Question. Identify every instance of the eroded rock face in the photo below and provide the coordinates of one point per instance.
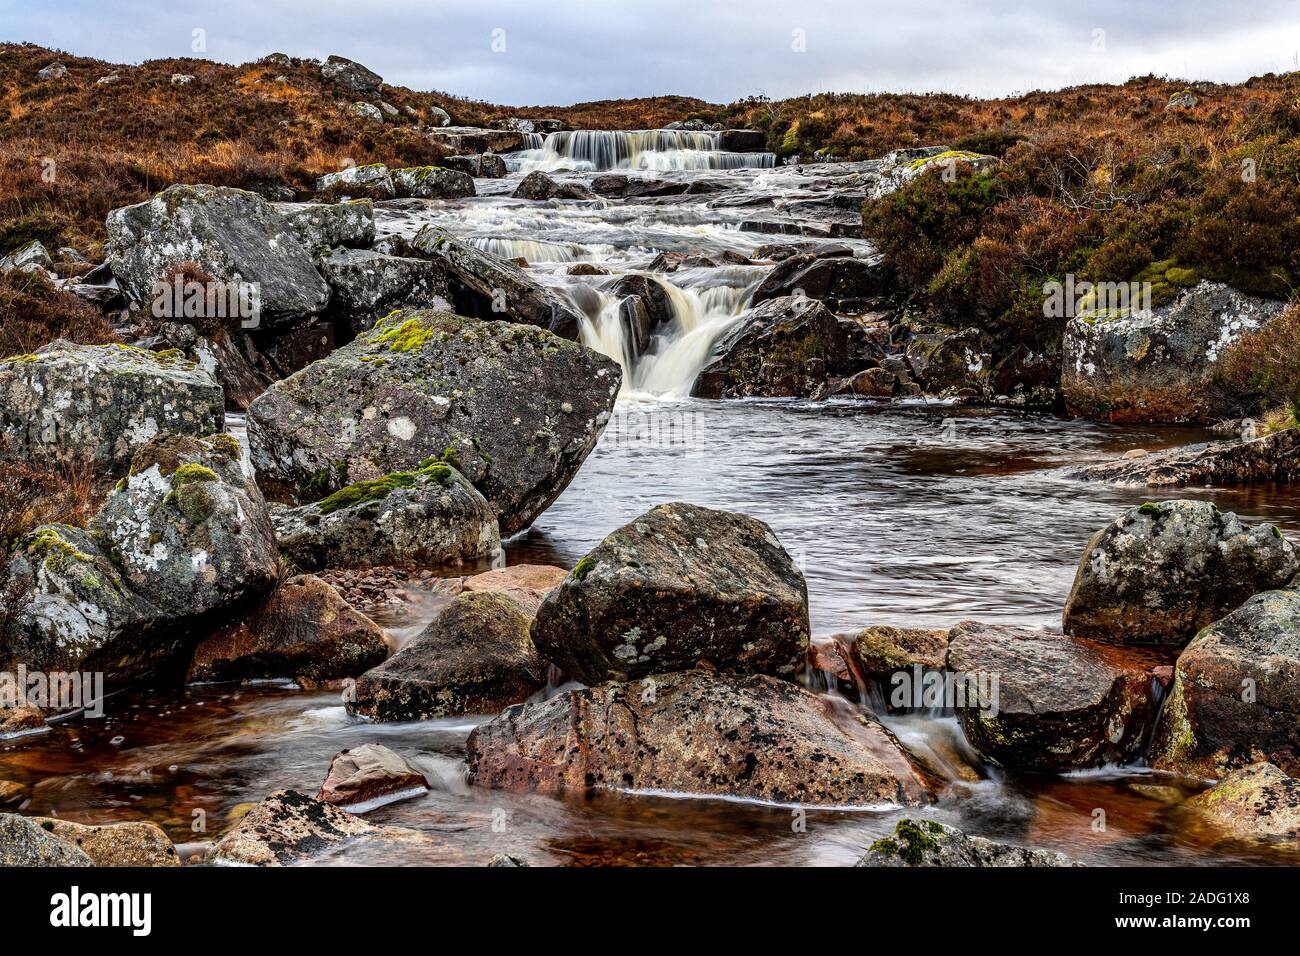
(369, 285)
(318, 226)
(432, 182)
(137, 843)
(428, 516)
(233, 235)
(1159, 366)
(304, 631)
(1163, 571)
(475, 658)
(926, 843)
(370, 776)
(25, 843)
(519, 408)
(681, 586)
(1274, 457)
(694, 732)
(1258, 802)
(1058, 704)
(1236, 693)
(97, 404)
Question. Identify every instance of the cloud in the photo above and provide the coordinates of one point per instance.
(564, 51)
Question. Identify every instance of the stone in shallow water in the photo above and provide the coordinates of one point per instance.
(679, 587)
(136, 843)
(927, 843)
(369, 776)
(1161, 572)
(433, 182)
(371, 181)
(693, 732)
(1258, 802)
(25, 843)
(1274, 457)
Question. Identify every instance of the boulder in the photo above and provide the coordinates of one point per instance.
(526, 584)
(869, 383)
(351, 75)
(881, 651)
(136, 843)
(484, 165)
(21, 721)
(25, 843)
(680, 587)
(428, 516)
(439, 116)
(1040, 701)
(1236, 693)
(539, 186)
(370, 776)
(371, 181)
(752, 737)
(55, 71)
(366, 111)
(843, 283)
(1161, 572)
(296, 349)
(519, 407)
(928, 843)
(1274, 457)
(475, 658)
(369, 285)
(304, 631)
(901, 166)
(233, 235)
(25, 257)
(1258, 802)
(951, 363)
(473, 139)
(1159, 366)
(97, 404)
(432, 182)
(784, 348)
(781, 251)
(319, 226)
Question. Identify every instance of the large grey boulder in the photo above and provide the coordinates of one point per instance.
(1161, 572)
(519, 408)
(693, 732)
(537, 186)
(371, 181)
(432, 182)
(1159, 365)
(233, 235)
(490, 287)
(475, 658)
(929, 843)
(351, 75)
(680, 587)
(24, 843)
(843, 283)
(1236, 693)
(484, 165)
(319, 226)
(427, 516)
(97, 404)
(369, 285)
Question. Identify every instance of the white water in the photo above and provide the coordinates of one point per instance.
(661, 150)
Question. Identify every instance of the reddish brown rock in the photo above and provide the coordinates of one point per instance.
(527, 584)
(370, 776)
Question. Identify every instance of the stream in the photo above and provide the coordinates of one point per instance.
(908, 513)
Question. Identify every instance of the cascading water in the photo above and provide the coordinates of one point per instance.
(588, 150)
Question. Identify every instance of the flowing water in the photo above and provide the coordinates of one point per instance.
(913, 514)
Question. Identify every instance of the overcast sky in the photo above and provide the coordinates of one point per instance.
(526, 52)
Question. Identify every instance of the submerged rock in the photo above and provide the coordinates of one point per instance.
(25, 843)
(432, 182)
(679, 587)
(476, 657)
(1274, 457)
(519, 408)
(1159, 366)
(1258, 802)
(1163, 571)
(1236, 693)
(137, 843)
(429, 516)
(97, 404)
(927, 843)
(1041, 701)
(304, 631)
(370, 776)
(693, 732)
(369, 285)
(233, 235)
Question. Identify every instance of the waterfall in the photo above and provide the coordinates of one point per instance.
(534, 250)
(591, 150)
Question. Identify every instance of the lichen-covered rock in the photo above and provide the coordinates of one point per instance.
(235, 236)
(1272, 457)
(351, 75)
(475, 658)
(926, 843)
(679, 587)
(1159, 366)
(367, 777)
(304, 630)
(136, 843)
(1163, 571)
(538, 186)
(483, 165)
(25, 843)
(366, 111)
(1258, 802)
(881, 651)
(518, 407)
(1041, 701)
(290, 827)
(318, 226)
(694, 732)
(842, 283)
(901, 166)
(369, 285)
(430, 515)
(490, 287)
(96, 404)
(1236, 693)
(784, 348)
(24, 258)
(371, 181)
(951, 364)
(432, 182)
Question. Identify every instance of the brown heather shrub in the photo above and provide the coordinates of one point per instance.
(33, 312)
(1268, 362)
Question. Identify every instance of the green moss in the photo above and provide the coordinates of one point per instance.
(225, 444)
(583, 567)
(49, 546)
(945, 156)
(1149, 508)
(20, 358)
(190, 473)
(916, 841)
(363, 491)
(410, 336)
(194, 502)
(885, 846)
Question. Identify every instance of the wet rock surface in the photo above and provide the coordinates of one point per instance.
(26, 843)
(432, 182)
(928, 843)
(1274, 457)
(136, 843)
(1258, 802)
(369, 285)
(370, 776)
